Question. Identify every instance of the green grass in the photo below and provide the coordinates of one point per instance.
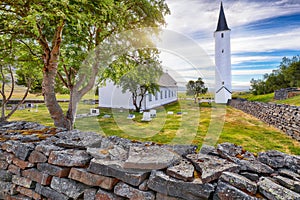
(291, 101)
(250, 97)
(200, 125)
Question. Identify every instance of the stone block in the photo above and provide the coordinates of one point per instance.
(22, 164)
(37, 157)
(183, 171)
(22, 181)
(239, 182)
(162, 183)
(289, 174)
(89, 194)
(68, 187)
(211, 167)
(226, 191)
(144, 185)
(53, 170)
(3, 164)
(5, 176)
(8, 157)
(5, 187)
(288, 183)
(272, 158)
(251, 176)
(160, 196)
(124, 190)
(17, 197)
(50, 193)
(105, 195)
(150, 158)
(37, 176)
(293, 163)
(23, 150)
(47, 148)
(255, 166)
(272, 190)
(29, 193)
(115, 169)
(91, 179)
(69, 158)
(14, 169)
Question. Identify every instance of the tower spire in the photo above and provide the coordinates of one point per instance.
(222, 24)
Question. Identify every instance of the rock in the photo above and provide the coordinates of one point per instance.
(104, 195)
(251, 176)
(47, 148)
(239, 182)
(69, 158)
(53, 170)
(274, 191)
(68, 187)
(37, 157)
(124, 190)
(183, 171)
(144, 185)
(5, 176)
(22, 164)
(3, 164)
(211, 167)
(293, 163)
(228, 192)
(272, 158)
(23, 150)
(113, 153)
(29, 193)
(181, 150)
(14, 169)
(162, 183)
(160, 196)
(288, 183)
(207, 149)
(37, 176)
(89, 194)
(289, 174)
(255, 166)
(87, 178)
(50, 193)
(150, 158)
(115, 169)
(77, 139)
(22, 181)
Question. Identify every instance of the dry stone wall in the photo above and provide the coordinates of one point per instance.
(38, 162)
(281, 116)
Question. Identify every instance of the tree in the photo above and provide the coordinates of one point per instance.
(287, 75)
(145, 71)
(196, 88)
(65, 31)
(9, 63)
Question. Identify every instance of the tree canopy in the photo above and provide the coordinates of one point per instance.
(195, 88)
(287, 75)
(61, 33)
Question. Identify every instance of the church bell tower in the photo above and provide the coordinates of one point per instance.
(223, 88)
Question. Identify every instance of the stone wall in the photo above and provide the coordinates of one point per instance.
(38, 162)
(283, 117)
(285, 93)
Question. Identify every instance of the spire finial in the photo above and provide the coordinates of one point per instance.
(222, 24)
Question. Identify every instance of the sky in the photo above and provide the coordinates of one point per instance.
(262, 33)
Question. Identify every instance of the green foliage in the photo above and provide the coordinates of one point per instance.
(195, 88)
(287, 75)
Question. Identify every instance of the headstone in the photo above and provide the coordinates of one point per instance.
(170, 112)
(106, 116)
(152, 113)
(94, 111)
(146, 117)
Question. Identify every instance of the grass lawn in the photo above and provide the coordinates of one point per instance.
(195, 125)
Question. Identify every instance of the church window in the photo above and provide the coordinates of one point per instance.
(222, 50)
(161, 95)
(156, 96)
(150, 97)
(222, 35)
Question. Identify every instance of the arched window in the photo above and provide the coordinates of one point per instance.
(222, 50)
(222, 35)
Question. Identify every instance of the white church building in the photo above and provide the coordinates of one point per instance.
(111, 95)
(223, 89)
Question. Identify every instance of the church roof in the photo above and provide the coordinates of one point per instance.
(222, 24)
(166, 81)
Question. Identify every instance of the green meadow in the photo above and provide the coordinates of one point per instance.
(190, 123)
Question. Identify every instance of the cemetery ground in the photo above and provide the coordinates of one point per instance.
(188, 124)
